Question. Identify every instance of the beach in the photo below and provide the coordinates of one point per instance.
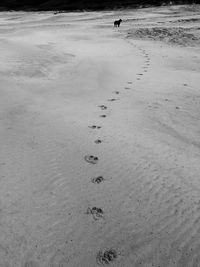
(99, 137)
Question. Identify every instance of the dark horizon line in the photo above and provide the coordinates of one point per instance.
(106, 5)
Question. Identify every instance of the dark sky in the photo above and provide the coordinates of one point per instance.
(81, 4)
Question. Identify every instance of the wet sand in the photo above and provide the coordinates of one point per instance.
(99, 137)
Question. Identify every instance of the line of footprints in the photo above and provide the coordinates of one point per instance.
(105, 257)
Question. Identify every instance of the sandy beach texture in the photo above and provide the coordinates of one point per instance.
(99, 138)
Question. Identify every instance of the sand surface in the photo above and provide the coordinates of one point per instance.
(78, 189)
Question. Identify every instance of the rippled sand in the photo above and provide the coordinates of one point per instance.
(99, 138)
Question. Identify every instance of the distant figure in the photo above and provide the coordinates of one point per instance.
(117, 23)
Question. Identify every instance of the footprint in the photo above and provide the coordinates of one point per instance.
(102, 116)
(130, 82)
(140, 74)
(106, 257)
(112, 99)
(94, 127)
(97, 180)
(127, 88)
(177, 108)
(97, 213)
(103, 107)
(98, 141)
(116, 92)
(91, 159)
